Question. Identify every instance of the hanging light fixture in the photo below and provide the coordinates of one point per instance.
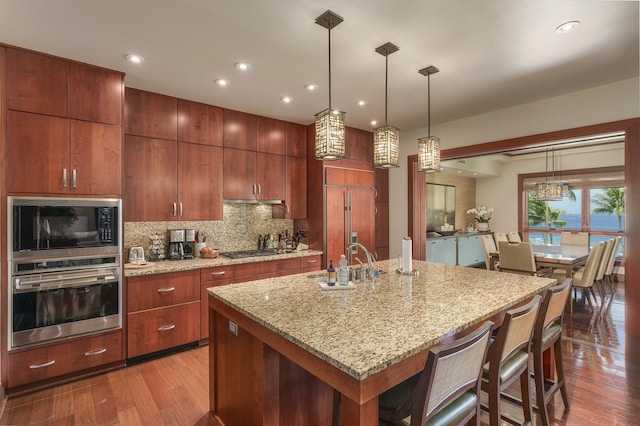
(549, 191)
(329, 123)
(429, 147)
(386, 139)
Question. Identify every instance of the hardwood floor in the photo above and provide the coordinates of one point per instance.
(173, 390)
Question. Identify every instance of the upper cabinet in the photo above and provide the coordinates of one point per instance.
(295, 140)
(240, 130)
(199, 123)
(150, 114)
(270, 135)
(359, 145)
(64, 133)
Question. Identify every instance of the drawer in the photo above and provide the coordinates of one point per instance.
(217, 273)
(38, 364)
(153, 291)
(163, 328)
(311, 263)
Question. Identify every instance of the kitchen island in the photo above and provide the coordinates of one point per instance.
(279, 347)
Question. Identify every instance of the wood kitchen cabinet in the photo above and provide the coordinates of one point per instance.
(53, 155)
(252, 175)
(150, 114)
(95, 94)
(240, 130)
(382, 213)
(199, 123)
(359, 145)
(295, 204)
(163, 311)
(295, 140)
(212, 277)
(167, 180)
(270, 135)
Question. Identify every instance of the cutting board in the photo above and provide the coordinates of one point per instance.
(134, 266)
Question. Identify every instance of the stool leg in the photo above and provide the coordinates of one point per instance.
(538, 371)
(557, 349)
(526, 396)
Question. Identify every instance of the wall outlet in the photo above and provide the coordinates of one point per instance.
(233, 328)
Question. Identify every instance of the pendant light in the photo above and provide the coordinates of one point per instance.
(549, 191)
(386, 139)
(329, 123)
(429, 147)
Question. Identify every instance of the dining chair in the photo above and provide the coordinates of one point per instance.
(508, 360)
(500, 236)
(488, 247)
(574, 238)
(547, 334)
(513, 237)
(584, 277)
(598, 281)
(447, 391)
(608, 273)
(517, 258)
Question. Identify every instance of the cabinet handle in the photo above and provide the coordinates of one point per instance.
(64, 178)
(259, 189)
(376, 192)
(175, 209)
(312, 261)
(180, 208)
(254, 189)
(98, 352)
(74, 180)
(286, 208)
(376, 210)
(219, 273)
(44, 364)
(167, 327)
(166, 290)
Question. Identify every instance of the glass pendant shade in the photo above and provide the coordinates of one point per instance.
(386, 147)
(429, 154)
(549, 191)
(330, 135)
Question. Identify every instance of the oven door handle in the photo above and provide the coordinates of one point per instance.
(71, 281)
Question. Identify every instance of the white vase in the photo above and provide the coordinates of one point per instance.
(482, 226)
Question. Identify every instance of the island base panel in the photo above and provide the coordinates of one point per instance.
(252, 384)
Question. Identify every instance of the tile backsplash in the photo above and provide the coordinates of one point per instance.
(240, 229)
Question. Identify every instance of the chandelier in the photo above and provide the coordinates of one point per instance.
(550, 191)
(429, 147)
(386, 139)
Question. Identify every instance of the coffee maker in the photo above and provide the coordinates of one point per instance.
(176, 244)
(189, 243)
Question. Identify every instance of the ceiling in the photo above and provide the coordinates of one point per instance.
(493, 56)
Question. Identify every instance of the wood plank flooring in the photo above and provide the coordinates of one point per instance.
(173, 390)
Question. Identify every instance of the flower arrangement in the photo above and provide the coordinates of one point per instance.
(483, 213)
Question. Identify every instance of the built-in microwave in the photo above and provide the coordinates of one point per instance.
(59, 227)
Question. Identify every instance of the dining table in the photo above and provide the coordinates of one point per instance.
(566, 257)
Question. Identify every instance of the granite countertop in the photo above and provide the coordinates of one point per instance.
(367, 329)
(198, 263)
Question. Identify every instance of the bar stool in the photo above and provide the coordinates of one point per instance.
(508, 360)
(547, 333)
(447, 391)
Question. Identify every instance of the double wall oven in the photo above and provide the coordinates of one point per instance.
(64, 268)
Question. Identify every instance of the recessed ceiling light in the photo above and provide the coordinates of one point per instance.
(311, 87)
(567, 26)
(242, 66)
(286, 99)
(362, 103)
(374, 122)
(136, 59)
(222, 82)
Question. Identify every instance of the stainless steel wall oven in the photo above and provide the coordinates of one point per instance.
(64, 268)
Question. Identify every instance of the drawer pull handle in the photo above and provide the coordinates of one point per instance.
(166, 289)
(219, 273)
(167, 327)
(98, 352)
(312, 261)
(44, 364)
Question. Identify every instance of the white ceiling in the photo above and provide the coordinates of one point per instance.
(491, 54)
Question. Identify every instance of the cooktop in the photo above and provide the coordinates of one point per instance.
(249, 253)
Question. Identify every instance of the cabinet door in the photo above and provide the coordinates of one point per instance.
(150, 114)
(295, 206)
(95, 94)
(239, 174)
(240, 130)
(270, 176)
(38, 152)
(295, 140)
(150, 184)
(199, 123)
(37, 83)
(270, 135)
(363, 219)
(470, 250)
(442, 251)
(359, 145)
(199, 182)
(96, 158)
(382, 184)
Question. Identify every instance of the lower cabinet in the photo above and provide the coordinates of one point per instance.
(442, 250)
(212, 277)
(33, 365)
(163, 312)
(462, 250)
(470, 250)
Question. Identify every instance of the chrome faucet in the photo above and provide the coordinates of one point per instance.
(370, 261)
